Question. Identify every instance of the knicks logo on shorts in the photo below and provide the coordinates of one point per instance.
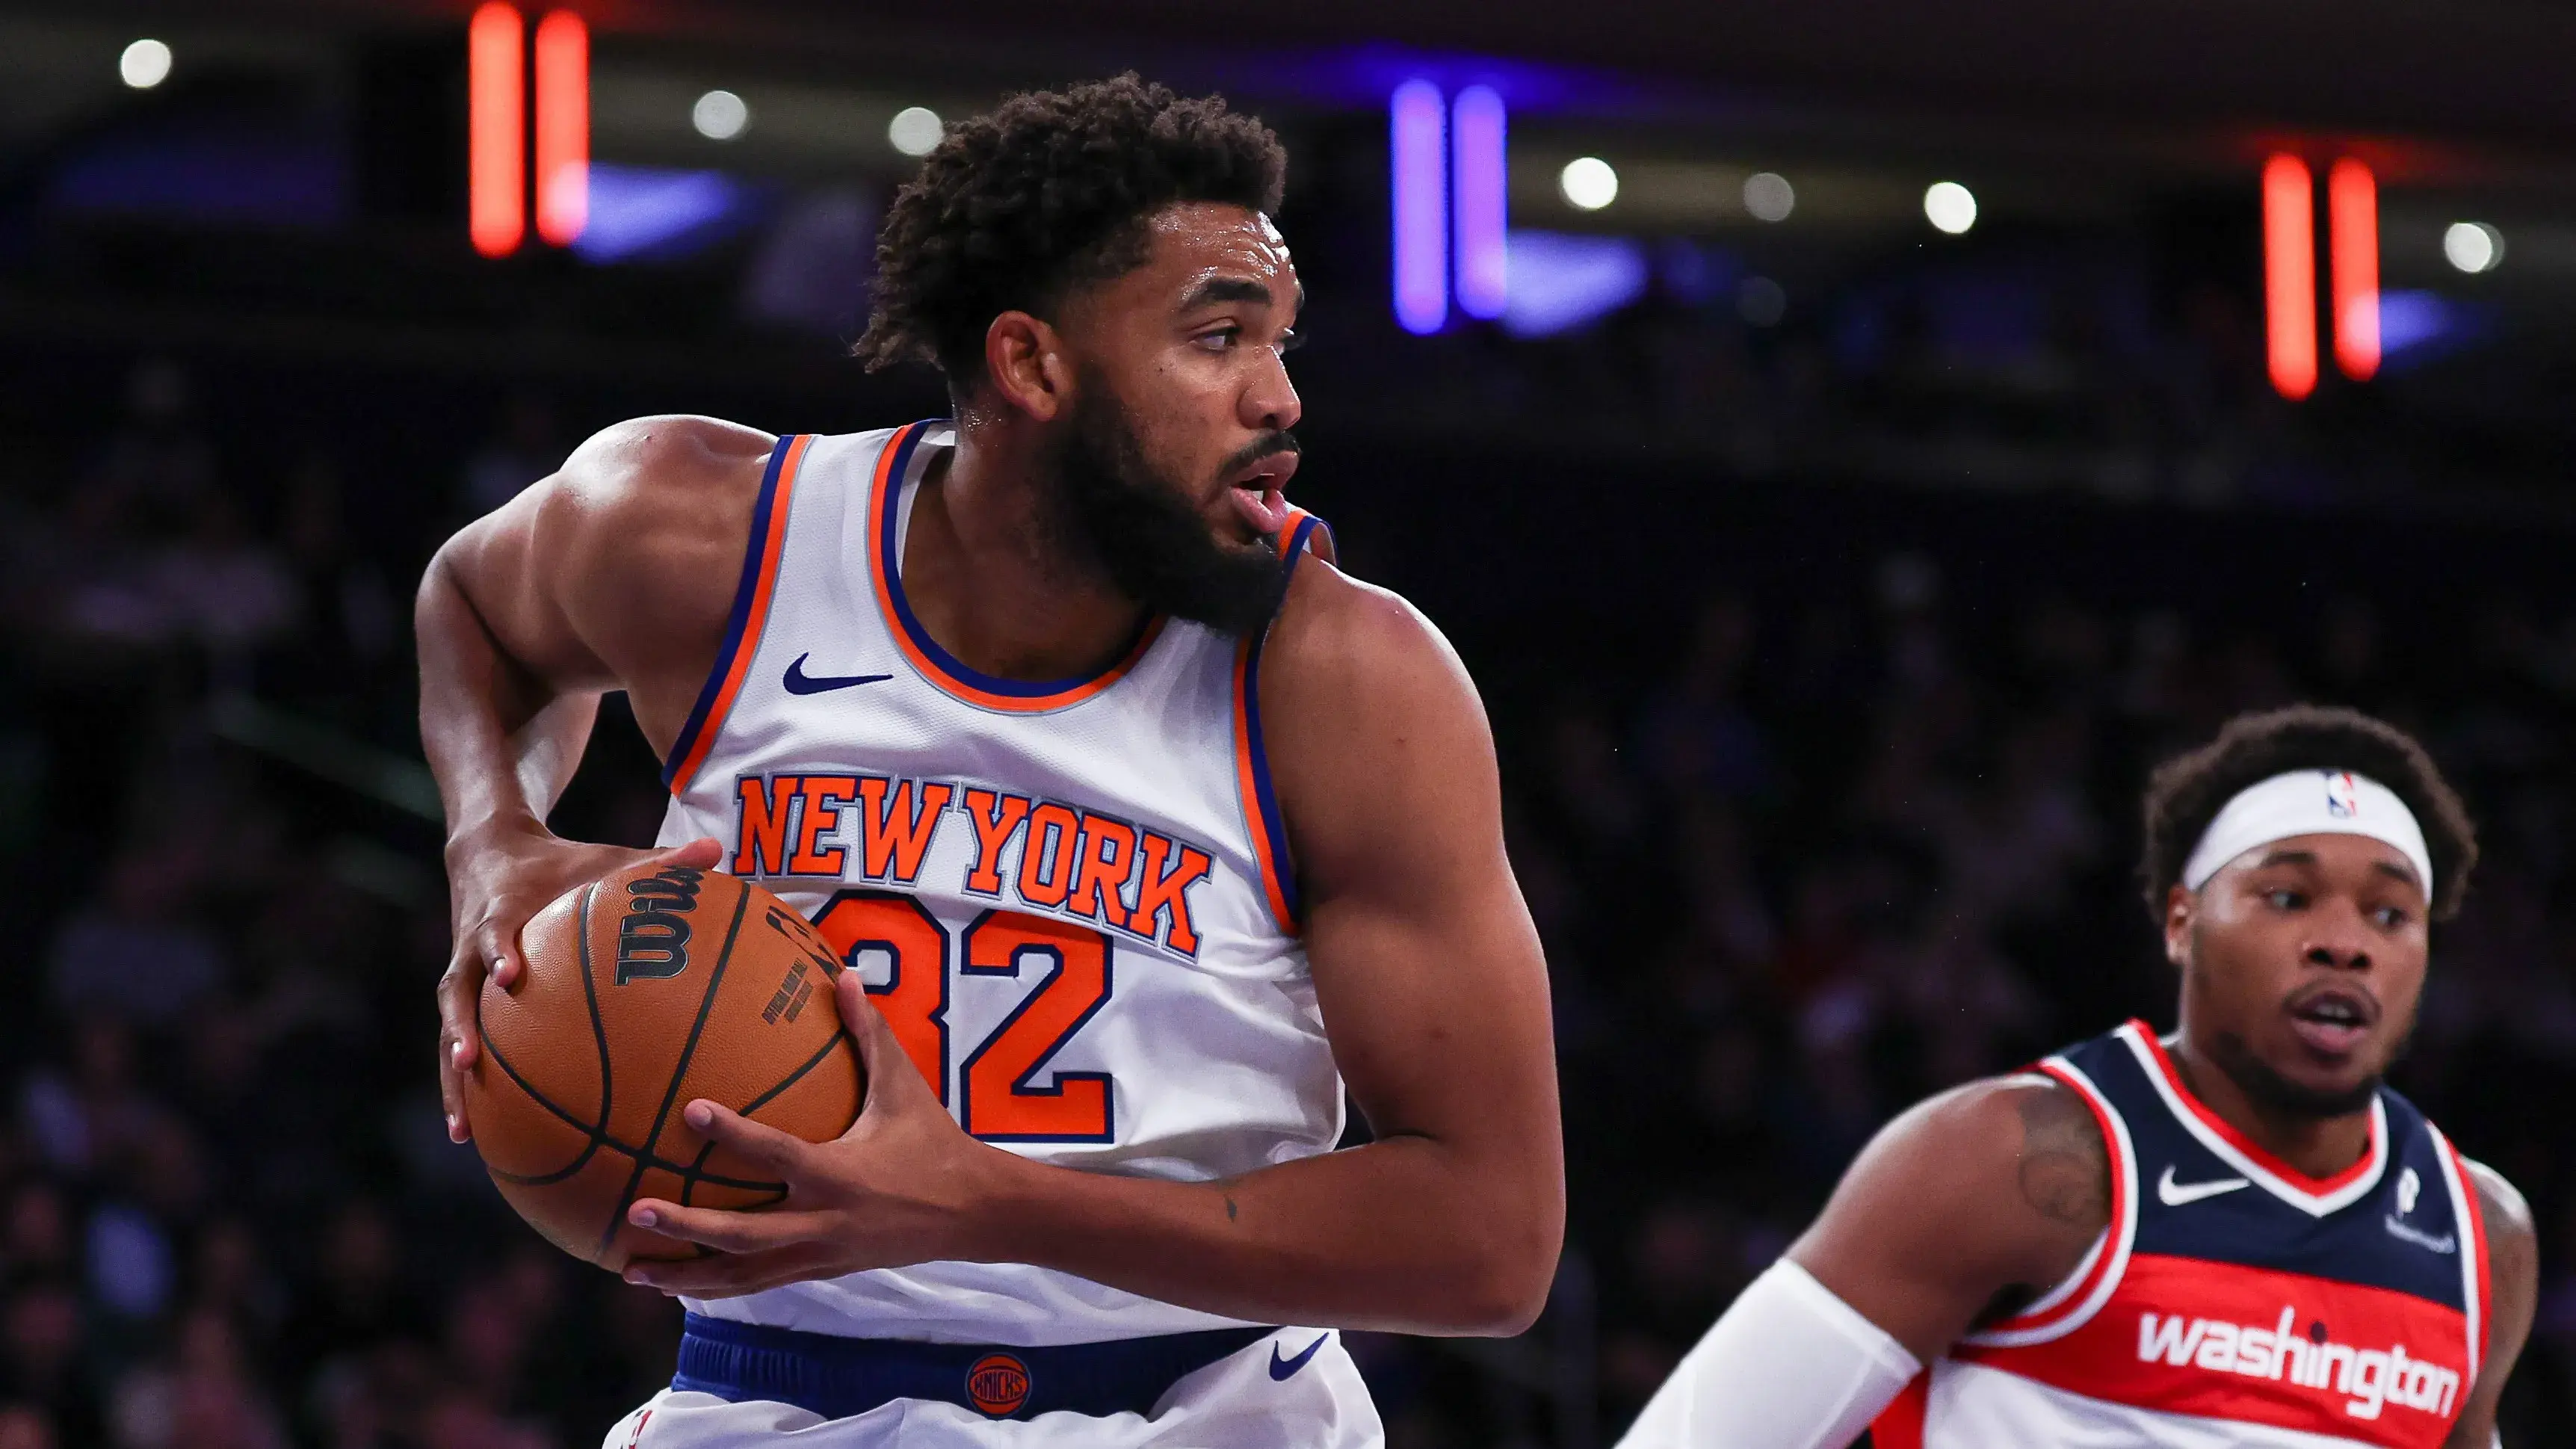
(998, 1384)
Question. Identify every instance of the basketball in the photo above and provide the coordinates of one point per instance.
(644, 990)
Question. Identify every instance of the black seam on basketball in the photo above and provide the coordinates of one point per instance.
(590, 997)
(560, 1112)
(679, 1069)
(798, 1075)
(697, 1169)
(593, 1139)
(599, 1139)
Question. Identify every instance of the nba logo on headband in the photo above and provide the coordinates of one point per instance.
(2289, 805)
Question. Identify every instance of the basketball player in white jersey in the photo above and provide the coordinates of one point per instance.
(1142, 828)
(2231, 1236)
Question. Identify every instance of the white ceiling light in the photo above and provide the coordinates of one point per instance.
(1950, 206)
(720, 115)
(1768, 195)
(2473, 246)
(1761, 301)
(145, 64)
(916, 129)
(1588, 183)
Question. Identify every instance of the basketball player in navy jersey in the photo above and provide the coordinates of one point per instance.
(2233, 1235)
(1117, 795)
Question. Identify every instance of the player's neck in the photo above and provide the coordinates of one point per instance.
(983, 576)
(2317, 1146)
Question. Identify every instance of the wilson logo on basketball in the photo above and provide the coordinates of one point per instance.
(653, 935)
(999, 1384)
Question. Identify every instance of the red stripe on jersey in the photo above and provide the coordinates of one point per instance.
(1901, 1424)
(2116, 1234)
(2313, 1186)
(2255, 1346)
(2477, 1235)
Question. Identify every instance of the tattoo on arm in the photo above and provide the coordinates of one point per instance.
(2065, 1169)
(1229, 1207)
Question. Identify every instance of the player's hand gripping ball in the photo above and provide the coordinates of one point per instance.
(647, 989)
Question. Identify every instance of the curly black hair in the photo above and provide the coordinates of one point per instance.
(1048, 190)
(2187, 792)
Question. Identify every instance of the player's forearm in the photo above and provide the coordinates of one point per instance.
(501, 742)
(1400, 1235)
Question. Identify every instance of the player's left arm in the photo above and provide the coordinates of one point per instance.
(1431, 983)
(2513, 1265)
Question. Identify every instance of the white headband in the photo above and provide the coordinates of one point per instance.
(2308, 802)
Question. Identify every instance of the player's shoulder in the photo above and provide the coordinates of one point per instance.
(673, 454)
(2512, 1235)
(1338, 639)
(2002, 1116)
(2025, 1133)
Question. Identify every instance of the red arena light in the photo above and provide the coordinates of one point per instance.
(2352, 261)
(563, 127)
(496, 107)
(2290, 274)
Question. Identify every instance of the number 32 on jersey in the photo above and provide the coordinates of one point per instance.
(998, 1096)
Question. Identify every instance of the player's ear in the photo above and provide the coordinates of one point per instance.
(2181, 907)
(1024, 360)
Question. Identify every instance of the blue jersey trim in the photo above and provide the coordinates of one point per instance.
(889, 560)
(1265, 795)
(754, 555)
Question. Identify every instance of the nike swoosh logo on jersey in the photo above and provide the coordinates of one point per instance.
(2175, 1194)
(1283, 1369)
(799, 682)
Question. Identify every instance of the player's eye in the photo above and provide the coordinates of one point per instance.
(1289, 341)
(1218, 340)
(2389, 917)
(2285, 900)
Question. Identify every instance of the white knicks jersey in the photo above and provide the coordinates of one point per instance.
(1069, 899)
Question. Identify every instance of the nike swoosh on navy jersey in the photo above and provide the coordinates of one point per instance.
(2175, 1194)
(1284, 1368)
(798, 682)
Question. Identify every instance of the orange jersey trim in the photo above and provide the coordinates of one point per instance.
(1262, 820)
(750, 613)
(932, 662)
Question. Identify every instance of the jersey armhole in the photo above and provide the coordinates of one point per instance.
(2477, 1274)
(1261, 818)
(750, 612)
(2072, 1301)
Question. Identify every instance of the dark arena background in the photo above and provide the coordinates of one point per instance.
(1850, 443)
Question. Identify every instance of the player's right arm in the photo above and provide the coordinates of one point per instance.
(1958, 1212)
(1969, 1205)
(615, 573)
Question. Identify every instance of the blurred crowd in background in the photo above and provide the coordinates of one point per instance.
(1815, 818)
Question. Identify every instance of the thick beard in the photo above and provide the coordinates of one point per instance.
(1114, 512)
(2269, 1090)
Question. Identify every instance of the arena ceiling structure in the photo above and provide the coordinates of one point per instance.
(2133, 129)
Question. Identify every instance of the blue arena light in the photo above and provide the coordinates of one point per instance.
(1479, 187)
(1421, 207)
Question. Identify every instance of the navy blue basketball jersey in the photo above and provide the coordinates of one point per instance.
(2233, 1300)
